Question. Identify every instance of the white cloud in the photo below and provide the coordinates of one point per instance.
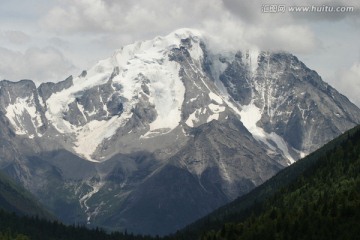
(40, 65)
(127, 16)
(59, 42)
(293, 38)
(82, 15)
(236, 23)
(229, 33)
(15, 37)
(348, 83)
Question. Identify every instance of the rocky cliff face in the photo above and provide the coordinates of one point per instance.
(164, 131)
(292, 100)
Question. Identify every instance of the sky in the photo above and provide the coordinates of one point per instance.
(48, 40)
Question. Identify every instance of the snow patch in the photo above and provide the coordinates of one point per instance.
(83, 200)
(214, 116)
(16, 115)
(195, 51)
(167, 94)
(281, 144)
(192, 100)
(216, 98)
(253, 60)
(301, 153)
(216, 108)
(93, 133)
(193, 118)
(250, 115)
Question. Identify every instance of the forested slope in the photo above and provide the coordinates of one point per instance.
(316, 198)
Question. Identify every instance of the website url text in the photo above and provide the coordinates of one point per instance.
(280, 8)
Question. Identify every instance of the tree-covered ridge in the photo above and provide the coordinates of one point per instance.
(322, 203)
(244, 206)
(14, 227)
(7, 235)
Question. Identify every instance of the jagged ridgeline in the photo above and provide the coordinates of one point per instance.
(164, 131)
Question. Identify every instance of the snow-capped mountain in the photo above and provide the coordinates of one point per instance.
(164, 131)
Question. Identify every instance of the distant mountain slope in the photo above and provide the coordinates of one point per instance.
(14, 198)
(164, 131)
(315, 198)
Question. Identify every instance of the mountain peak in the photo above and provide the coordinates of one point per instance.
(183, 33)
(156, 47)
(162, 115)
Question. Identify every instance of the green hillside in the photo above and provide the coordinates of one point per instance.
(316, 198)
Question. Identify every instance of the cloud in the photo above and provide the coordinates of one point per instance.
(59, 42)
(82, 15)
(40, 65)
(228, 33)
(104, 16)
(16, 37)
(236, 24)
(349, 83)
(250, 12)
(287, 37)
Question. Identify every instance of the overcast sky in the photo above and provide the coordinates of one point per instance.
(47, 40)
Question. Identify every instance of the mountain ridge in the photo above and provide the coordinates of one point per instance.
(222, 123)
(242, 207)
(319, 199)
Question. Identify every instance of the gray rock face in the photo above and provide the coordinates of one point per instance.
(295, 103)
(46, 89)
(237, 78)
(26, 113)
(164, 131)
